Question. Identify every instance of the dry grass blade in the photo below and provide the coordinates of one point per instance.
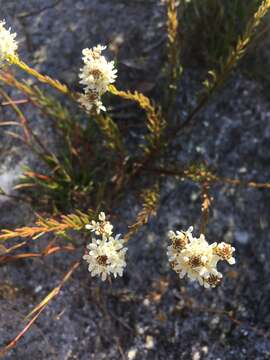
(15, 247)
(55, 291)
(8, 258)
(16, 102)
(38, 310)
(22, 118)
(12, 344)
(49, 250)
(52, 249)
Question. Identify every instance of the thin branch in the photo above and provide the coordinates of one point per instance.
(206, 203)
(211, 177)
(39, 309)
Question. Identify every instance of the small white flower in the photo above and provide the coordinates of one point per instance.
(102, 227)
(225, 252)
(96, 75)
(196, 259)
(102, 216)
(179, 241)
(8, 44)
(106, 256)
(90, 102)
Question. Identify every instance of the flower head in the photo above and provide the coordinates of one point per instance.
(179, 240)
(101, 227)
(96, 75)
(225, 252)
(197, 259)
(106, 256)
(8, 44)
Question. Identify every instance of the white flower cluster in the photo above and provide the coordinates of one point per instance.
(197, 259)
(106, 255)
(96, 75)
(8, 44)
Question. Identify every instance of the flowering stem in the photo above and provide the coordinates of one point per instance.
(206, 203)
(15, 60)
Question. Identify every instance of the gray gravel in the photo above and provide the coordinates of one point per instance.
(150, 313)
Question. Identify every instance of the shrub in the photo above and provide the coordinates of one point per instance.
(96, 166)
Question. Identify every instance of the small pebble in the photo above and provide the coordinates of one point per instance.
(149, 343)
(132, 354)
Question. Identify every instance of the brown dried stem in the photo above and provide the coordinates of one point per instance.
(34, 314)
(206, 203)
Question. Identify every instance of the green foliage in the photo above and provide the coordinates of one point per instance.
(212, 27)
